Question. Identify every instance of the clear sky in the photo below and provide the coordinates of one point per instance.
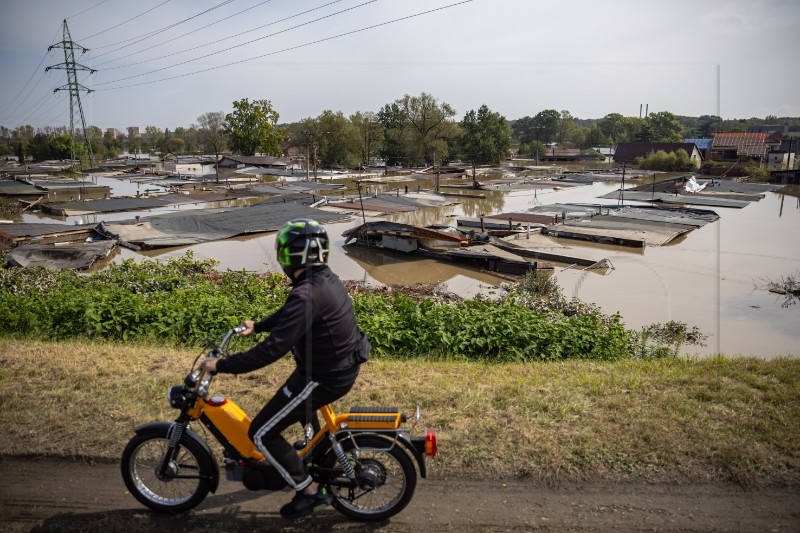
(516, 56)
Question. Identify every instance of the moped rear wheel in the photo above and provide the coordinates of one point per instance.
(186, 482)
(386, 478)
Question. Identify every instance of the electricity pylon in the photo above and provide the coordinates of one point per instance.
(73, 87)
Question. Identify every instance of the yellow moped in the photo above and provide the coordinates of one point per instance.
(365, 457)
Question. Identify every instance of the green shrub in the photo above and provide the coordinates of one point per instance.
(183, 301)
(668, 162)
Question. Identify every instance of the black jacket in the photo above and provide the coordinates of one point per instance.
(317, 323)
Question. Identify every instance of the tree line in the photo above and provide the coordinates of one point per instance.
(412, 130)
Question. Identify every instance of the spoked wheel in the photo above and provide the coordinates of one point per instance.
(386, 478)
(186, 481)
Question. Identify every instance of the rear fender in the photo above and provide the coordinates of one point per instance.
(162, 429)
(403, 438)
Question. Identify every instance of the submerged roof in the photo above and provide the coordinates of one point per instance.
(205, 225)
(254, 160)
(70, 256)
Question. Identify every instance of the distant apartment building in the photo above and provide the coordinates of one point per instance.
(133, 131)
(112, 132)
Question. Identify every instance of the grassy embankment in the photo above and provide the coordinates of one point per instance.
(661, 420)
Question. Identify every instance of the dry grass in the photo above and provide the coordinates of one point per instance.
(662, 421)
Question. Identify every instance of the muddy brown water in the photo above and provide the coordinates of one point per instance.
(713, 278)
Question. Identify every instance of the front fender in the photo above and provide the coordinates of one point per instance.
(162, 428)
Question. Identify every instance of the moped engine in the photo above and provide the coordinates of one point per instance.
(262, 477)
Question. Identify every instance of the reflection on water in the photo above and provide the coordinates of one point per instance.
(707, 278)
(395, 268)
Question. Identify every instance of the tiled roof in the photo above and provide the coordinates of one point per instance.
(745, 143)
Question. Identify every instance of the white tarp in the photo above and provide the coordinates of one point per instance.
(692, 185)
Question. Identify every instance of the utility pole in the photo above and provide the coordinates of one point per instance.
(436, 170)
(73, 87)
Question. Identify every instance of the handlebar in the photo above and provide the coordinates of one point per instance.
(203, 380)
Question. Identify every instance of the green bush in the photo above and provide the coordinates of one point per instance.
(668, 162)
(183, 301)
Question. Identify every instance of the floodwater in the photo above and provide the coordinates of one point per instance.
(713, 278)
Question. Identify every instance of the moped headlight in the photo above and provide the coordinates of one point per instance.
(175, 396)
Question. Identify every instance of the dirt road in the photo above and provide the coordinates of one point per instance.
(48, 495)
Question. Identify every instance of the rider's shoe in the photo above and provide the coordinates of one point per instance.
(304, 504)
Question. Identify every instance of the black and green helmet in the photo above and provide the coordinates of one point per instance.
(302, 243)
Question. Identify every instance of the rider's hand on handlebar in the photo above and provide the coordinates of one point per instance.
(248, 325)
(209, 365)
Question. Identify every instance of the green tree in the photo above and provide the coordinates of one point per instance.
(547, 124)
(533, 149)
(134, 142)
(21, 139)
(153, 138)
(486, 138)
(612, 126)
(525, 130)
(211, 132)
(173, 145)
(392, 121)
(645, 133)
(5, 141)
(250, 127)
(40, 147)
(567, 128)
(633, 127)
(595, 137)
(111, 147)
(337, 140)
(431, 126)
(707, 126)
(370, 135)
(665, 127)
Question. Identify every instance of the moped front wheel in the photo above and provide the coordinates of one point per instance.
(185, 481)
(385, 478)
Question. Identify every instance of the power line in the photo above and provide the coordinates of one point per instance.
(36, 107)
(87, 9)
(125, 22)
(218, 40)
(27, 82)
(140, 38)
(30, 78)
(365, 28)
(202, 28)
(238, 45)
(52, 120)
(22, 102)
(32, 118)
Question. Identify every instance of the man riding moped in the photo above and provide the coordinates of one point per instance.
(318, 324)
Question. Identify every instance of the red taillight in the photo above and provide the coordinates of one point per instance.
(430, 443)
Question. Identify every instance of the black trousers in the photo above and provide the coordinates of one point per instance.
(296, 401)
